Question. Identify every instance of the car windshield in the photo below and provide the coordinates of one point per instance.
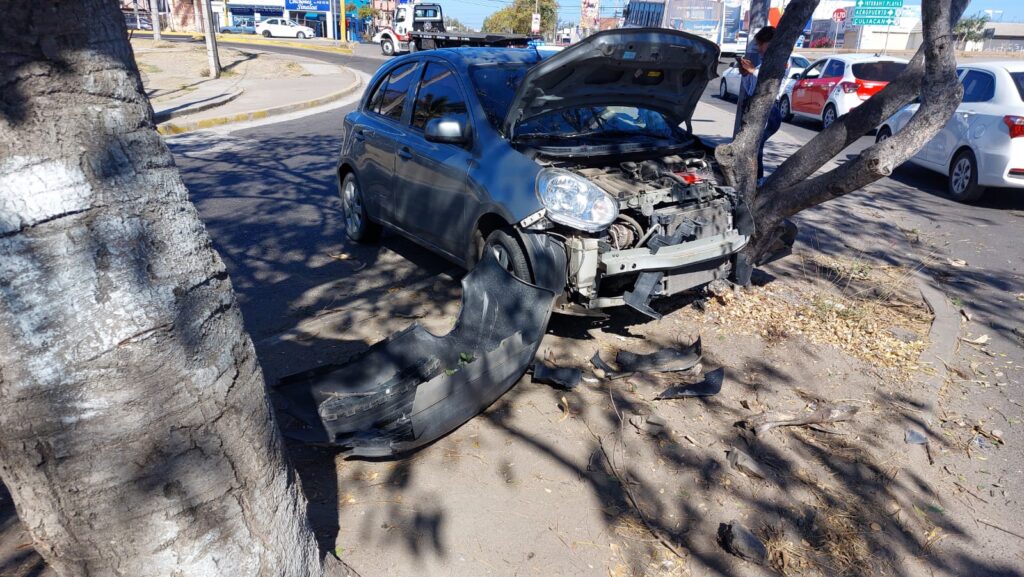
(800, 62)
(596, 123)
(1018, 81)
(496, 86)
(880, 71)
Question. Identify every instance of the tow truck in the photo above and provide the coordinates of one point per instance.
(420, 26)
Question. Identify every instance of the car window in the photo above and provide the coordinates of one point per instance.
(1018, 81)
(393, 91)
(880, 71)
(814, 71)
(799, 62)
(978, 86)
(495, 86)
(439, 95)
(835, 69)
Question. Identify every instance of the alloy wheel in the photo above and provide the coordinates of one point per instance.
(961, 178)
(353, 206)
(830, 117)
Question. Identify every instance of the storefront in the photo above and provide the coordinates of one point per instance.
(235, 14)
(316, 14)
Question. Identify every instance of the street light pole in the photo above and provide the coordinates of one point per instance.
(154, 17)
(211, 40)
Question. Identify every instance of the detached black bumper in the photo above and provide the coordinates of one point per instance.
(416, 387)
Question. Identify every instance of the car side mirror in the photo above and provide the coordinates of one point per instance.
(447, 131)
(795, 75)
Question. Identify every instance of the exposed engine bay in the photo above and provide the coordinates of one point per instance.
(676, 230)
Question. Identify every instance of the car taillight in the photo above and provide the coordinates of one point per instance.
(1015, 124)
(849, 87)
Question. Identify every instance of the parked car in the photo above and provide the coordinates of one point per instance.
(730, 83)
(982, 144)
(570, 167)
(835, 85)
(281, 27)
(241, 26)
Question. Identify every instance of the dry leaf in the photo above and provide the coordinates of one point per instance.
(977, 341)
(958, 262)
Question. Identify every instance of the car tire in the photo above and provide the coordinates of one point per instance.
(884, 133)
(509, 252)
(301, 35)
(723, 90)
(387, 47)
(785, 110)
(829, 116)
(963, 178)
(266, 33)
(226, 32)
(358, 226)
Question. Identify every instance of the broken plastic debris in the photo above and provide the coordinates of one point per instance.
(665, 360)
(606, 370)
(913, 437)
(567, 378)
(741, 542)
(415, 387)
(711, 385)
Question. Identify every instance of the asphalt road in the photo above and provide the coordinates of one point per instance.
(269, 200)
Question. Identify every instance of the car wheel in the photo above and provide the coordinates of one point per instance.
(301, 35)
(387, 47)
(509, 253)
(266, 33)
(723, 91)
(963, 178)
(784, 109)
(357, 226)
(829, 117)
(883, 134)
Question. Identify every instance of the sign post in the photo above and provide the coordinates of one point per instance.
(839, 16)
(877, 13)
(535, 23)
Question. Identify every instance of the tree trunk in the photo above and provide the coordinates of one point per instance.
(136, 437)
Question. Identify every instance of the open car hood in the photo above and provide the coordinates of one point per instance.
(655, 68)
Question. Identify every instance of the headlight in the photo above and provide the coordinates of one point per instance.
(575, 201)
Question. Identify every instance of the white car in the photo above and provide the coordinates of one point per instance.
(837, 84)
(281, 27)
(730, 84)
(983, 142)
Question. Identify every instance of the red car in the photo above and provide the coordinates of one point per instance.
(833, 86)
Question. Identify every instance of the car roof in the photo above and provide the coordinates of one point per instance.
(856, 58)
(484, 56)
(992, 65)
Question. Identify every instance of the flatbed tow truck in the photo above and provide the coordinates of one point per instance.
(420, 26)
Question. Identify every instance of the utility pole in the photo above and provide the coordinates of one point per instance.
(135, 9)
(154, 17)
(211, 40)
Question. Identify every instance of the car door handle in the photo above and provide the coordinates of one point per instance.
(405, 153)
(361, 134)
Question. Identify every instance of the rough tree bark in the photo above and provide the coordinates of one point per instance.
(136, 437)
(791, 188)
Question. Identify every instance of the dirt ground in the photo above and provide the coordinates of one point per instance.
(172, 69)
(606, 480)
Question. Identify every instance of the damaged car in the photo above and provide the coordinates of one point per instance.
(572, 168)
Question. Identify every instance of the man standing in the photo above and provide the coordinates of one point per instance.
(748, 83)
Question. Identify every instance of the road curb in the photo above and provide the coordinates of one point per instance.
(171, 128)
(253, 39)
(942, 336)
(165, 115)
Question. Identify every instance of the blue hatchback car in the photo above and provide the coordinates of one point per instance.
(571, 167)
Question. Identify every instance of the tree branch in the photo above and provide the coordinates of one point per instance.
(738, 159)
(940, 94)
(858, 122)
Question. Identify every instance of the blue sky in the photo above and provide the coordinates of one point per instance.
(473, 12)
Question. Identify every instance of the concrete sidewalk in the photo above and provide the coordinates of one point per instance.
(238, 99)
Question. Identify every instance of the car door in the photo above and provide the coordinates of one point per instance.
(824, 85)
(432, 197)
(979, 88)
(375, 136)
(802, 90)
(732, 79)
